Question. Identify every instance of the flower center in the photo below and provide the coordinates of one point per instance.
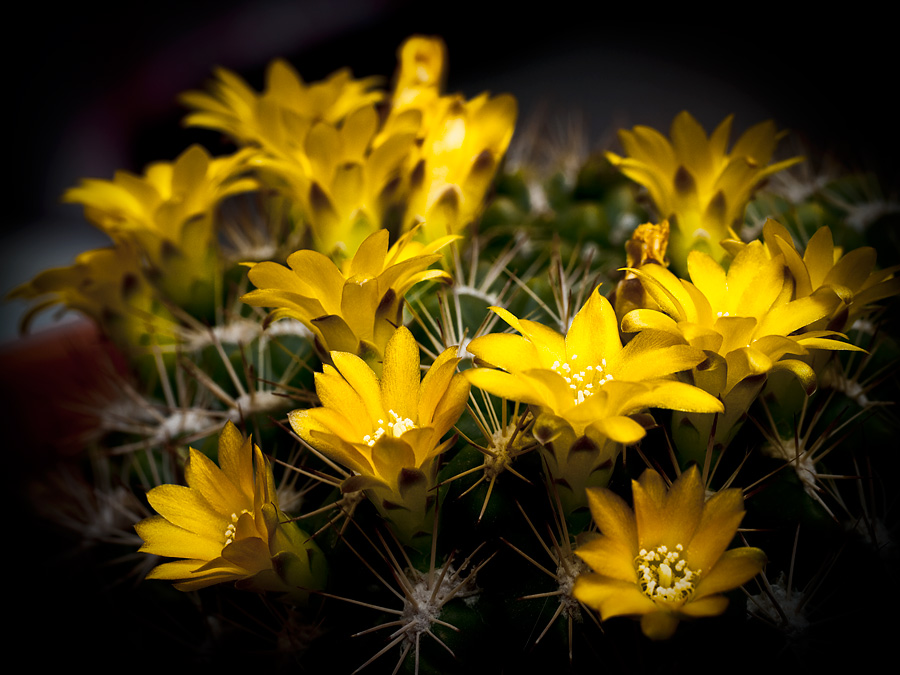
(395, 428)
(664, 574)
(582, 382)
(231, 530)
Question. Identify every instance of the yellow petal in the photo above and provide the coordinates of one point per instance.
(722, 514)
(510, 352)
(649, 495)
(614, 518)
(711, 605)
(610, 558)
(209, 480)
(400, 375)
(659, 625)
(611, 597)
(163, 538)
(370, 256)
(594, 333)
(235, 458)
(734, 568)
(508, 386)
(620, 429)
(187, 509)
(684, 507)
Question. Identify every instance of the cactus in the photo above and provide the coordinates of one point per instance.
(477, 423)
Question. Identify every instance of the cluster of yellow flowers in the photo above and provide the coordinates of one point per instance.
(359, 167)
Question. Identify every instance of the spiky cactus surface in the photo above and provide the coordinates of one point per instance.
(391, 405)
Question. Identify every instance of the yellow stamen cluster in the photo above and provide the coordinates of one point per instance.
(231, 530)
(664, 574)
(582, 382)
(397, 428)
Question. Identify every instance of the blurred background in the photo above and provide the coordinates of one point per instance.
(93, 86)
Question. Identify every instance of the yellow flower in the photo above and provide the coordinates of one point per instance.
(387, 430)
(355, 311)
(852, 276)
(280, 117)
(746, 323)
(744, 315)
(585, 386)
(460, 152)
(694, 182)
(227, 526)
(108, 286)
(352, 170)
(666, 560)
(347, 187)
(167, 214)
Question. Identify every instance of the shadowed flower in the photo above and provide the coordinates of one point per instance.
(585, 386)
(387, 430)
(227, 526)
(666, 560)
(694, 182)
(168, 215)
(106, 285)
(354, 311)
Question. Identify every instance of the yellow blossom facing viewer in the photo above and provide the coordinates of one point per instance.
(585, 386)
(695, 182)
(666, 560)
(226, 525)
(356, 310)
(387, 429)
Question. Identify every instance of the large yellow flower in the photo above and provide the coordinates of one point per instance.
(585, 386)
(387, 430)
(695, 182)
(227, 526)
(666, 560)
(852, 275)
(746, 323)
(354, 311)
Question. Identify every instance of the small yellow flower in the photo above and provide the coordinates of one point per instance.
(694, 182)
(387, 430)
(852, 275)
(108, 286)
(666, 560)
(167, 214)
(280, 116)
(355, 311)
(584, 386)
(227, 526)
